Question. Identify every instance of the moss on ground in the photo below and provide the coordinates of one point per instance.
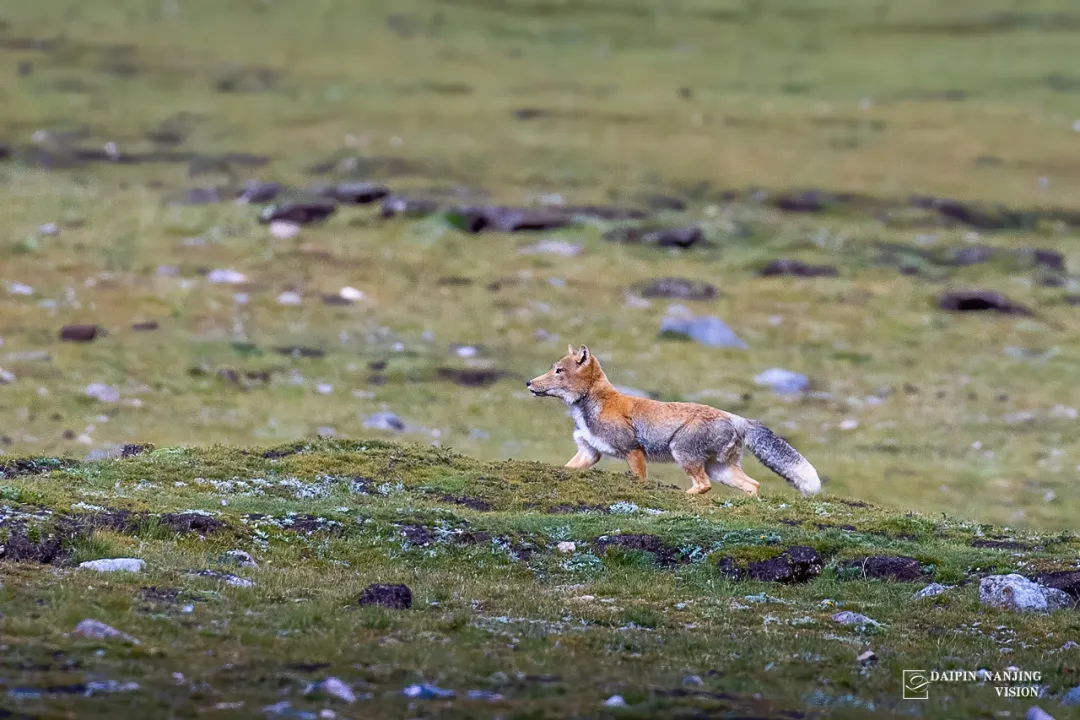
(553, 590)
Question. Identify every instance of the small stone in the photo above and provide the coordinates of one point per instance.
(848, 424)
(114, 565)
(49, 230)
(615, 701)
(355, 193)
(693, 681)
(553, 247)
(226, 276)
(283, 229)
(351, 294)
(783, 382)
(867, 658)
(18, 288)
(239, 558)
(567, 547)
(1072, 698)
(981, 300)
(1037, 713)
(226, 578)
(427, 691)
(79, 333)
(335, 688)
(97, 630)
(102, 393)
(853, 618)
(931, 590)
(384, 421)
(393, 596)
(256, 192)
(327, 431)
(1016, 592)
(290, 298)
(299, 212)
(483, 695)
(676, 288)
(6, 377)
(706, 329)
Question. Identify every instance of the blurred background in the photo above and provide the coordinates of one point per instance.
(260, 220)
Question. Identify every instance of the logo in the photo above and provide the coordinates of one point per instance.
(916, 685)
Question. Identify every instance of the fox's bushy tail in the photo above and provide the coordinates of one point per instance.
(784, 460)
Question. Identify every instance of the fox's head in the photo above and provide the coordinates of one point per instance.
(570, 378)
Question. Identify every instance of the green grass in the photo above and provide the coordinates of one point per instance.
(497, 605)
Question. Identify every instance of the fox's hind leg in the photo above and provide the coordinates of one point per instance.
(732, 475)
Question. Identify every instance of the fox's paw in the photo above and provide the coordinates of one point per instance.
(698, 490)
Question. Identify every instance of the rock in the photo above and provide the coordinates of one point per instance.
(257, 193)
(396, 597)
(1067, 581)
(285, 710)
(283, 229)
(6, 377)
(1037, 713)
(853, 618)
(1071, 698)
(705, 329)
(797, 564)
(483, 695)
(693, 681)
(552, 247)
(675, 288)
(199, 196)
(299, 212)
(615, 701)
(797, 268)
(114, 565)
(783, 382)
(239, 558)
(605, 212)
(566, 547)
(353, 193)
(49, 230)
(681, 237)
(472, 377)
(226, 578)
(145, 326)
(290, 298)
(1016, 592)
(18, 288)
(97, 630)
(351, 294)
(981, 300)
(931, 590)
(80, 333)
(384, 421)
(886, 567)
(868, 657)
(507, 219)
(334, 688)
(427, 691)
(102, 393)
(226, 276)
(666, 555)
(396, 205)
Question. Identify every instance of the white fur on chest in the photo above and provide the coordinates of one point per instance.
(585, 435)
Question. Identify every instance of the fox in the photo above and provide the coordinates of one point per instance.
(706, 442)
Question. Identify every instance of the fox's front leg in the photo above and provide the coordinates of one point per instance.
(586, 456)
(638, 466)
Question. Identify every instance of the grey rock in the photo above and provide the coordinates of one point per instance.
(783, 382)
(334, 688)
(705, 329)
(1016, 592)
(226, 578)
(853, 618)
(114, 565)
(103, 393)
(1037, 713)
(1072, 698)
(931, 590)
(427, 691)
(616, 701)
(97, 630)
(552, 247)
(239, 558)
(387, 421)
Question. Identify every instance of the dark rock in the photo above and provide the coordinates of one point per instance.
(1067, 581)
(354, 193)
(507, 219)
(247, 80)
(896, 568)
(191, 522)
(981, 300)
(134, 450)
(43, 548)
(730, 569)
(532, 113)
(666, 555)
(395, 597)
(5, 151)
(469, 502)
(416, 535)
(579, 508)
(682, 237)
(797, 564)
(199, 196)
(257, 192)
(787, 266)
(472, 377)
(1054, 281)
(676, 288)
(1044, 259)
(665, 202)
(300, 351)
(300, 212)
(400, 206)
(807, 201)
(146, 326)
(605, 212)
(80, 333)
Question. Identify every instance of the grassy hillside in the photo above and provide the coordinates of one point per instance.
(547, 592)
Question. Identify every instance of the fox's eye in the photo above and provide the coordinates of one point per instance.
(558, 370)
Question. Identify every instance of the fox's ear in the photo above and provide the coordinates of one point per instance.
(584, 357)
(570, 350)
